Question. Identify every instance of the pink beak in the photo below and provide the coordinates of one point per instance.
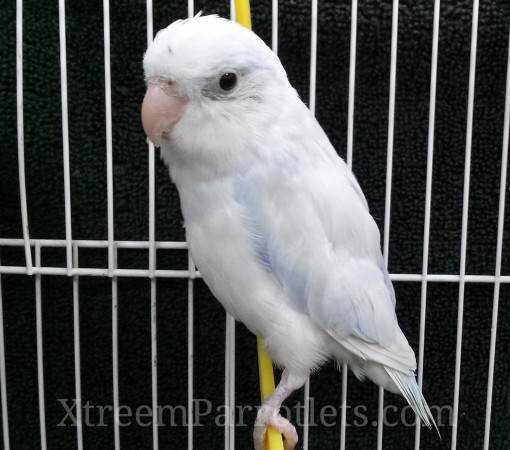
(162, 107)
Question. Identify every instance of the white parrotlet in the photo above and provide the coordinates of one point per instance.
(276, 222)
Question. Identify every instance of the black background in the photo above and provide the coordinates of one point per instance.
(44, 171)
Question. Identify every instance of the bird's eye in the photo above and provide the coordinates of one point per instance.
(228, 81)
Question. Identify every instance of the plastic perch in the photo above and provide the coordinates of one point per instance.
(266, 379)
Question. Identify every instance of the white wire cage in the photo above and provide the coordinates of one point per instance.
(35, 268)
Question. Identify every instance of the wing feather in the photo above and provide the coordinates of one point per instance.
(311, 228)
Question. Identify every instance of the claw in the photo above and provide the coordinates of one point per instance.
(268, 416)
(269, 413)
(288, 431)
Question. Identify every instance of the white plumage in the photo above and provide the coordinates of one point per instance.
(276, 222)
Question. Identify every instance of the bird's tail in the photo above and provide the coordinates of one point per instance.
(412, 393)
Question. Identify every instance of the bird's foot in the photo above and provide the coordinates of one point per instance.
(270, 417)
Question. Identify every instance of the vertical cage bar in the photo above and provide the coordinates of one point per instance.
(152, 262)
(306, 415)
(154, 365)
(389, 176)
(152, 171)
(21, 134)
(428, 201)
(274, 26)
(109, 142)
(191, 292)
(40, 360)
(227, 380)
(77, 356)
(391, 128)
(352, 81)
(115, 355)
(232, 10)
(65, 133)
(343, 417)
(232, 381)
(499, 252)
(191, 8)
(465, 218)
(227, 392)
(112, 250)
(3, 378)
(313, 55)
(380, 418)
(150, 21)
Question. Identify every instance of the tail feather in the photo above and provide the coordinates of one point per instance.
(412, 393)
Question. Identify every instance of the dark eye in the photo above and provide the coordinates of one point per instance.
(228, 81)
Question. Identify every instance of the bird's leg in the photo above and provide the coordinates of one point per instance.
(269, 413)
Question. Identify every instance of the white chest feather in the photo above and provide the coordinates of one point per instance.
(221, 248)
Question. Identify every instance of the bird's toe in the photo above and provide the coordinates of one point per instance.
(264, 414)
(287, 429)
(268, 416)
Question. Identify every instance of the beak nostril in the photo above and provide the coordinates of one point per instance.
(159, 81)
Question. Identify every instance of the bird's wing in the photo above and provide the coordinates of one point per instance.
(311, 228)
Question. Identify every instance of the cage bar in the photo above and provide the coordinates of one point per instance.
(232, 381)
(465, 218)
(306, 414)
(136, 273)
(152, 207)
(191, 8)
(152, 262)
(313, 55)
(343, 412)
(40, 357)
(85, 243)
(163, 273)
(380, 417)
(391, 129)
(115, 356)
(191, 292)
(77, 354)
(428, 202)
(154, 364)
(228, 363)
(227, 374)
(21, 134)
(65, 132)
(499, 252)
(352, 81)
(109, 141)
(3, 378)
(274, 26)
(232, 10)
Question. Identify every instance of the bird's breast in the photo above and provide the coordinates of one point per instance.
(220, 247)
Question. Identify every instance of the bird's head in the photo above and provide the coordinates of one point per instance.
(211, 84)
